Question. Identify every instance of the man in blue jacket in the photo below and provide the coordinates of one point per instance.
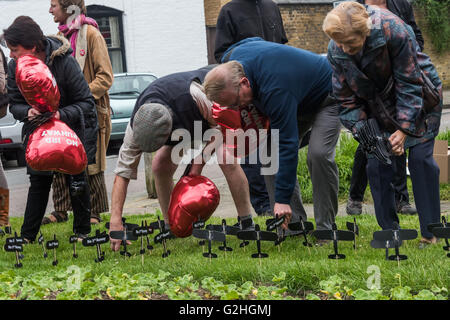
(292, 88)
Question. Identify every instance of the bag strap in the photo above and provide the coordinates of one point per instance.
(384, 94)
(379, 101)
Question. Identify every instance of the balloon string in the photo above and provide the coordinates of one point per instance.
(35, 122)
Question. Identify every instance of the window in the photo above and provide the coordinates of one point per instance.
(111, 26)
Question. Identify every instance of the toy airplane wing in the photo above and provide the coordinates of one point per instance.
(343, 235)
(376, 244)
(297, 226)
(353, 227)
(323, 234)
(442, 232)
(209, 235)
(273, 223)
(431, 226)
(121, 235)
(214, 227)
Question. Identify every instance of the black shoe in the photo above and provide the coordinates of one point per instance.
(247, 224)
(406, 208)
(354, 207)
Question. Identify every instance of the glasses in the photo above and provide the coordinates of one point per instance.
(237, 103)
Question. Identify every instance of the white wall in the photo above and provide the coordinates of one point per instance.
(161, 36)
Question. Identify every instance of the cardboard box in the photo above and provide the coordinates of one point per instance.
(441, 155)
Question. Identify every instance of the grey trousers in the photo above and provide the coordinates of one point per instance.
(325, 129)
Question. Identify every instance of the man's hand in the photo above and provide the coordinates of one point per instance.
(281, 209)
(397, 140)
(115, 225)
(57, 115)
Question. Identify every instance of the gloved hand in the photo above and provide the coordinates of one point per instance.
(369, 135)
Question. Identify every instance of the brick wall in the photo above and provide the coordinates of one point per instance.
(303, 25)
(212, 8)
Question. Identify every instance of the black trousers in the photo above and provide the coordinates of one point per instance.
(37, 200)
(425, 182)
(358, 182)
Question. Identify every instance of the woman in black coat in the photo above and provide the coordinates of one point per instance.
(76, 109)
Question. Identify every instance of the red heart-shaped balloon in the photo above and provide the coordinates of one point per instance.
(37, 84)
(53, 146)
(193, 198)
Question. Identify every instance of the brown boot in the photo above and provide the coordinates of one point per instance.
(4, 207)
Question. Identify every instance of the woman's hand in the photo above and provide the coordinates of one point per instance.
(397, 140)
(32, 112)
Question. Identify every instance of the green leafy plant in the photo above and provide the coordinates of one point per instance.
(437, 15)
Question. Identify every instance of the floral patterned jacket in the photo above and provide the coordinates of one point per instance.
(389, 50)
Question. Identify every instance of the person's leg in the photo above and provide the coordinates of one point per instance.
(61, 200)
(425, 181)
(380, 181)
(36, 204)
(296, 203)
(4, 198)
(98, 196)
(401, 188)
(238, 185)
(358, 183)
(81, 203)
(322, 166)
(258, 192)
(163, 170)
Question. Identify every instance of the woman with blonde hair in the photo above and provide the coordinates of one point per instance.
(379, 72)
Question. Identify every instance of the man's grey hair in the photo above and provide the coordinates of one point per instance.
(224, 76)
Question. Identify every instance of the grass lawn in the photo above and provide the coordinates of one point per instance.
(291, 271)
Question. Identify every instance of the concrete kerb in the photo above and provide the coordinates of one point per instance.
(139, 203)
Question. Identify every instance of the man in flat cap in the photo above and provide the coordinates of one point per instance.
(172, 102)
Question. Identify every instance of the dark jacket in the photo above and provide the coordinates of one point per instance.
(173, 91)
(388, 51)
(241, 19)
(404, 10)
(76, 106)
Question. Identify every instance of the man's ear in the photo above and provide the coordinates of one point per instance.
(245, 82)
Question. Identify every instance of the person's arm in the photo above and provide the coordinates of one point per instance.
(118, 196)
(284, 38)
(406, 73)
(102, 65)
(225, 34)
(126, 169)
(281, 108)
(410, 20)
(352, 109)
(79, 95)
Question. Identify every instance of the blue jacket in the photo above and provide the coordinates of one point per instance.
(285, 81)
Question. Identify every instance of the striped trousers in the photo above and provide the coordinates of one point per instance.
(98, 194)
